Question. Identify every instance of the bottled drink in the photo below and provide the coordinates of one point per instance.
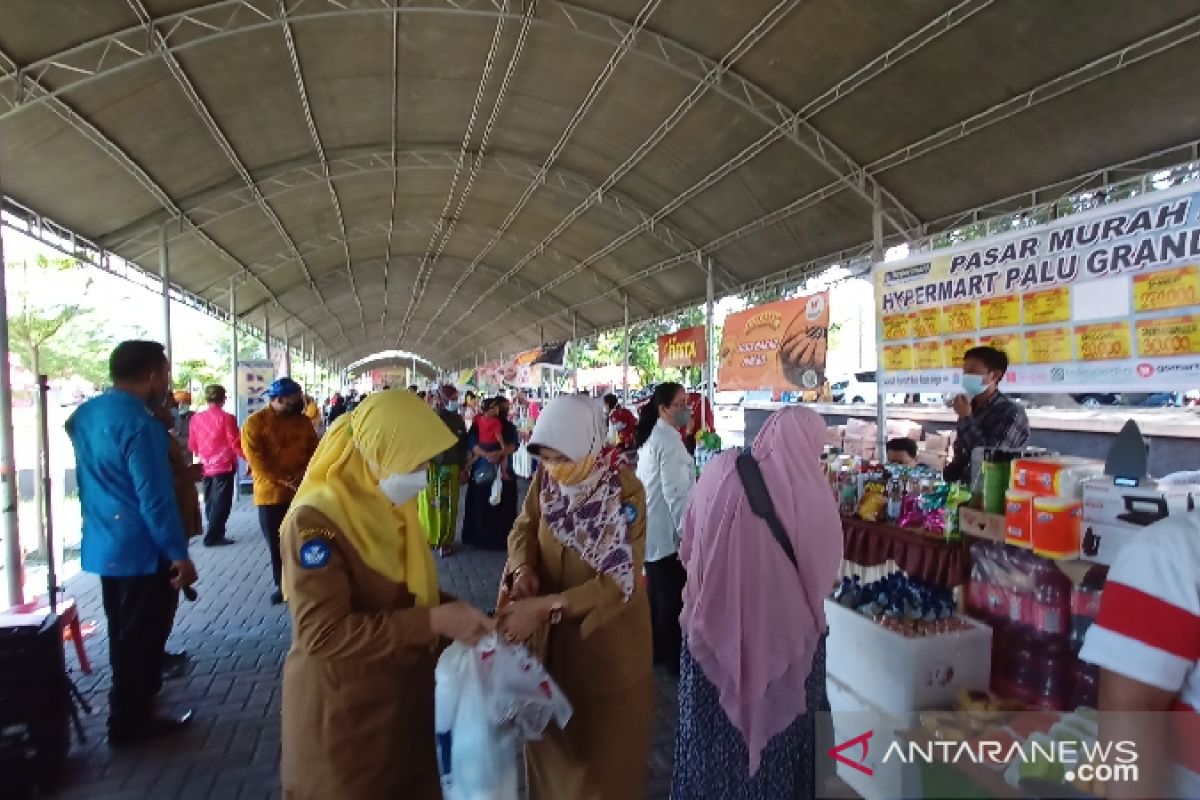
(1052, 609)
(895, 500)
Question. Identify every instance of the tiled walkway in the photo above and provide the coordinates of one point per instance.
(238, 642)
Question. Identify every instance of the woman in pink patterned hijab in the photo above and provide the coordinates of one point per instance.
(753, 625)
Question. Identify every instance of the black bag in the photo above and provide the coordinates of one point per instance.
(760, 503)
(37, 706)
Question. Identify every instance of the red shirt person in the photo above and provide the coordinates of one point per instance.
(623, 420)
(213, 436)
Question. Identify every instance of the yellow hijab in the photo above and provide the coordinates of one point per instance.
(389, 433)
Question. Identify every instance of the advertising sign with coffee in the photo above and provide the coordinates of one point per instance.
(780, 345)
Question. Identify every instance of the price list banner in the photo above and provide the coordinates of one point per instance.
(1108, 300)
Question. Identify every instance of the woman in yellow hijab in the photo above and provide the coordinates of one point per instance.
(368, 618)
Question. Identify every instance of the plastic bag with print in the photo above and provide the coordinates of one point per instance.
(488, 700)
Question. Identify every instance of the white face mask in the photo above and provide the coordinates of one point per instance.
(403, 487)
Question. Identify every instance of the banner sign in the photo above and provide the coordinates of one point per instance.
(1107, 300)
(779, 345)
(684, 348)
(552, 354)
(254, 377)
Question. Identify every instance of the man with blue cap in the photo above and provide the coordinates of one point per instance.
(278, 442)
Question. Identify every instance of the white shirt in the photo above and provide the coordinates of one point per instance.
(1149, 624)
(668, 473)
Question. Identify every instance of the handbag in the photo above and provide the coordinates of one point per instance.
(761, 505)
(484, 472)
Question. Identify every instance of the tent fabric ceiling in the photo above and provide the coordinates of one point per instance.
(451, 178)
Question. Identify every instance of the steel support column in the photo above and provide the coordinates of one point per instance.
(164, 272)
(625, 353)
(881, 396)
(709, 331)
(14, 561)
(233, 338)
(267, 332)
(287, 349)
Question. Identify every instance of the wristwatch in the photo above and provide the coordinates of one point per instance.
(556, 611)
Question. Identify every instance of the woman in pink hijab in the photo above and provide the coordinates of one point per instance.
(753, 623)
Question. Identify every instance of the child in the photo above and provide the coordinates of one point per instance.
(491, 434)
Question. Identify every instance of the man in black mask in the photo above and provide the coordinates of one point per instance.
(278, 442)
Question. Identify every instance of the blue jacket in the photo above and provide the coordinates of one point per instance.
(131, 523)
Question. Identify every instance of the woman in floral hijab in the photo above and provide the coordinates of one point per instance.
(573, 577)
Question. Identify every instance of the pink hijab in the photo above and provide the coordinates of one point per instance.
(752, 624)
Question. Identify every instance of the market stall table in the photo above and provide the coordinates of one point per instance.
(921, 555)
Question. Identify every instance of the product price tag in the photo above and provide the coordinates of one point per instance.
(1000, 312)
(1007, 343)
(955, 349)
(1052, 305)
(1108, 341)
(1047, 346)
(928, 355)
(898, 357)
(927, 322)
(1175, 336)
(897, 327)
(961, 318)
(1168, 288)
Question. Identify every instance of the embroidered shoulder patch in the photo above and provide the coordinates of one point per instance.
(630, 511)
(314, 554)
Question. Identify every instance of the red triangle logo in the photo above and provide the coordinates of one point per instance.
(836, 753)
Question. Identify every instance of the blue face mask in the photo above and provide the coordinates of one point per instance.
(973, 385)
(452, 407)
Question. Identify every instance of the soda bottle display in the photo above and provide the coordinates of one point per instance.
(1052, 606)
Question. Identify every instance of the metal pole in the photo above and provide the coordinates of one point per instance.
(267, 332)
(312, 365)
(14, 566)
(709, 338)
(47, 509)
(625, 353)
(164, 271)
(233, 336)
(287, 349)
(877, 258)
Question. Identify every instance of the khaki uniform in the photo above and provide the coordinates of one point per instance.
(600, 656)
(358, 681)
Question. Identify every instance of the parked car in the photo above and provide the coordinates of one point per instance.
(1097, 400)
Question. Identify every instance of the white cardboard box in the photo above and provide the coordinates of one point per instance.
(899, 674)
(1106, 503)
(852, 715)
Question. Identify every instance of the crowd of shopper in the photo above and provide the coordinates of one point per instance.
(355, 500)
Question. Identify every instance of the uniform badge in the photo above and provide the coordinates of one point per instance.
(630, 512)
(314, 554)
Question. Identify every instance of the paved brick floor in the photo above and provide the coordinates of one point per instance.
(238, 642)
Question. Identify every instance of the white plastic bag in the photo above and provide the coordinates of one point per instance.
(488, 700)
(523, 463)
(497, 489)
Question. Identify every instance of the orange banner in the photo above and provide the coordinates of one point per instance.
(684, 348)
(779, 345)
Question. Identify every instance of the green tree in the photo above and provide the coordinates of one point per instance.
(196, 372)
(52, 338)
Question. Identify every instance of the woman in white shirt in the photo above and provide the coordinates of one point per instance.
(668, 473)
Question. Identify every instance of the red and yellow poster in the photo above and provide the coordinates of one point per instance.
(961, 318)
(1047, 346)
(1173, 336)
(1107, 342)
(780, 345)
(928, 355)
(683, 348)
(1170, 288)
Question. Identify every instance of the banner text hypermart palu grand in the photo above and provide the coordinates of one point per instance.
(1044, 259)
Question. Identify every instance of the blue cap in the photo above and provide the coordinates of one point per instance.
(284, 387)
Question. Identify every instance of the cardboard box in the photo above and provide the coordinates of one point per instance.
(937, 443)
(899, 674)
(904, 429)
(932, 460)
(851, 716)
(1106, 503)
(861, 446)
(981, 524)
(834, 436)
(1102, 543)
(860, 427)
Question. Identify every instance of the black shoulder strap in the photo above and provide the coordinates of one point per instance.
(760, 503)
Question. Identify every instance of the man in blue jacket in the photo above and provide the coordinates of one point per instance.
(133, 537)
